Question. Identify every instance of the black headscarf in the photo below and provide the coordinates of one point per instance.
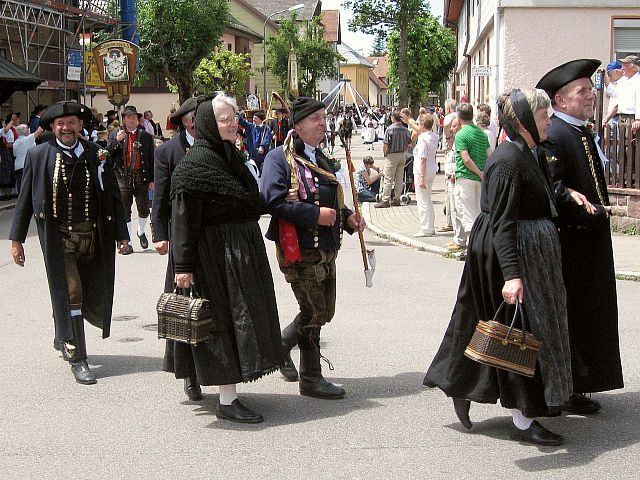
(213, 165)
(523, 112)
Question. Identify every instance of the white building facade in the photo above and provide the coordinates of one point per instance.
(503, 44)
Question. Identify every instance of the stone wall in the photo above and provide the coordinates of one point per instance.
(625, 212)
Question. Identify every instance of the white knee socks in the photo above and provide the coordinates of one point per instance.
(142, 222)
(519, 420)
(228, 394)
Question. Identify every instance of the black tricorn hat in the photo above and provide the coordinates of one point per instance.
(566, 73)
(65, 109)
(187, 106)
(130, 110)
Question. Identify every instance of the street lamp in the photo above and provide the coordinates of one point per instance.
(264, 43)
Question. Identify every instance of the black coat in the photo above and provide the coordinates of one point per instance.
(35, 200)
(116, 150)
(276, 182)
(587, 262)
(167, 156)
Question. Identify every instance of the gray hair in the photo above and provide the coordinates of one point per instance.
(536, 98)
(222, 99)
(22, 129)
(450, 104)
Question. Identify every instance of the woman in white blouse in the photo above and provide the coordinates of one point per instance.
(424, 172)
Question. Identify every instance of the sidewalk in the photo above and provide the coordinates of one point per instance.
(400, 223)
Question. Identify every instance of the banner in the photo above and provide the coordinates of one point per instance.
(292, 79)
(116, 63)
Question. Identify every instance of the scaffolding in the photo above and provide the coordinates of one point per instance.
(39, 35)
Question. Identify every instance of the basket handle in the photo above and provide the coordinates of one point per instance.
(192, 290)
(519, 310)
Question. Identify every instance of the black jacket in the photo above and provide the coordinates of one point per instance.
(116, 150)
(276, 181)
(167, 156)
(36, 200)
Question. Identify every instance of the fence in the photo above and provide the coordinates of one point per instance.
(622, 148)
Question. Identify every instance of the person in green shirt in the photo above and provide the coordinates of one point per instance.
(472, 150)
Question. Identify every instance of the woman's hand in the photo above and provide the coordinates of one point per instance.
(421, 182)
(513, 291)
(184, 280)
(580, 199)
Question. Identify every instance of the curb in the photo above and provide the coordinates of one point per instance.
(395, 237)
(8, 206)
(424, 247)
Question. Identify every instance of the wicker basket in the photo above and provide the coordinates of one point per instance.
(503, 346)
(184, 318)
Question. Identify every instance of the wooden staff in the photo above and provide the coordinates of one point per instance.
(356, 207)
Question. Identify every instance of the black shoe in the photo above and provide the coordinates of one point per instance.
(580, 404)
(129, 250)
(462, 406)
(536, 434)
(320, 388)
(144, 243)
(82, 373)
(57, 345)
(192, 389)
(236, 412)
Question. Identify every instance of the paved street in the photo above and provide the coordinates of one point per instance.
(137, 424)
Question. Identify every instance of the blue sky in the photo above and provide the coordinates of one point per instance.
(360, 41)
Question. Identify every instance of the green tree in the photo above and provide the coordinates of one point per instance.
(379, 47)
(223, 70)
(430, 57)
(316, 58)
(175, 35)
(369, 16)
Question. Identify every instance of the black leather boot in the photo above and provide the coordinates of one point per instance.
(192, 389)
(75, 352)
(289, 340)
(312, 383)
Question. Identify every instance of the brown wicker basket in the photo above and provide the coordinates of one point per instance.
(503, 346)
(184, 318)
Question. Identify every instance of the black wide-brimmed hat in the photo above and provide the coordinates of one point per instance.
(130, 110)
(302, 107)
(65, 109)
(187, 106)
(566, 73)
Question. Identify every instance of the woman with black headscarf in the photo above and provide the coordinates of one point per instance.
(217, 246)
(513, 256)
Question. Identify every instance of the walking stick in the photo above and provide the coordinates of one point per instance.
(368, 256)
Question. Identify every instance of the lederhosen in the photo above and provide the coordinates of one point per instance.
(75, 207)
(131, 180)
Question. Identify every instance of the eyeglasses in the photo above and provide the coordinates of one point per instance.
(318, 117)
(228, 120)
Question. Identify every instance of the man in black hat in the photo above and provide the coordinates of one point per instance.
(279, 127)
(258, 138)
(167, 156)
(576, 162)
(308, 235)
(132, 151)
(69, 187)
(34, 121)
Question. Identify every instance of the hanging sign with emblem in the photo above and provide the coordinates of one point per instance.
(116, 61)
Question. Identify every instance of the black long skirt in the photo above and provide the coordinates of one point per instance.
(233, 272)
(479, 296)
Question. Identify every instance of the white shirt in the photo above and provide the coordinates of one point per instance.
(8, 135)
(190, 139)
(628, 95)
(426, 147)
(310, 152)
(611, 89)
(20, 147)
